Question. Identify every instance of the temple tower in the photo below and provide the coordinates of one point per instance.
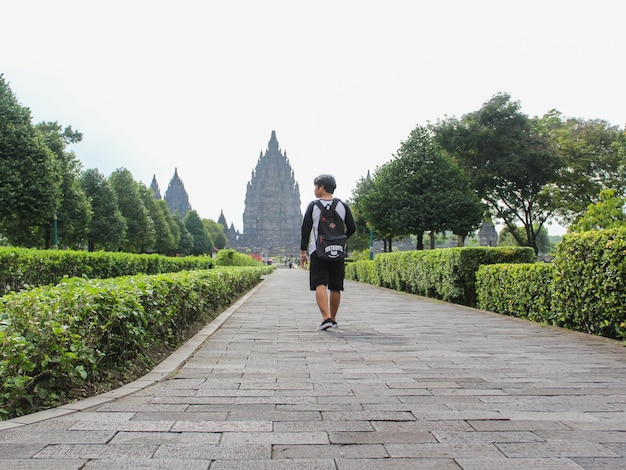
(272, 217)
(487, 235)
(155, 188)
(232, 235)
(176, 196)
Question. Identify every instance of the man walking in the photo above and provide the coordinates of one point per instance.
(324, 275)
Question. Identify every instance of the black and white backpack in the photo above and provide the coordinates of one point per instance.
(331, 233)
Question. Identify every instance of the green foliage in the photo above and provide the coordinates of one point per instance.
(30, 175)
(510, 164)
(607, 213)
(140, 235)
(231, 257)
(165, 238)
(185, 244)
(107, 226)
(519, 290)
(21, 268)
(362, 271)
(589, 282)
(216, 233)
(591, 150)
(202, 244)
(56, 339)
(506, 238)
(73, 212)
(372, 202)
(582, 290)
(419, 190)
(448, 274)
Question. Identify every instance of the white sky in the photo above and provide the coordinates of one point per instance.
(200, 85)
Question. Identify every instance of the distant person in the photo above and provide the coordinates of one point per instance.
(325, 275)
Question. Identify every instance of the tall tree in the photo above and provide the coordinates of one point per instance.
(30, 176)
(510, 165)
(592, 161)
(360, 240)
(185, 243)
(140, 236)
(73, 212)
(372, 199)
(202, 244)
(216, 233)
(420, 190)
(165, 241)
(608, 212)
(107, 226)
(173, 227)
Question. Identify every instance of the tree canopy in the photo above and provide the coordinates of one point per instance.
(420, 190)
(107, 226)
(140, 235)
(30, 175)
(510, 164)
(608, 212)
(202, 244)
(593, 161)
(73, 212)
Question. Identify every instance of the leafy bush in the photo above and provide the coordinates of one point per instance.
(362, 271)
(231, 257)
(590, 282)
(519, 290)
(57, 340)
(21, 268)
(448, 274)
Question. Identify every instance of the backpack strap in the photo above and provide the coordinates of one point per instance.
(322, 207)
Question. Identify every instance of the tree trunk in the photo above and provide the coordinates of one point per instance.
(420, 241)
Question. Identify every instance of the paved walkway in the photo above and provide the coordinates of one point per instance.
(403, 383)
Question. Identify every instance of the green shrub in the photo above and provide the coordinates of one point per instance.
(350, 271)
(231, 257)
(519, 290)
(590, 282)
(22, 268)
(448, 274)
(362, 271)
(55, 340)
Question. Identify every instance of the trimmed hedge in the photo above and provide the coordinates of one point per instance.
(590, 282)
(584, 289)
(519, 290)
(448, 274)
(22, 268)
(362, 271)
(55, 340)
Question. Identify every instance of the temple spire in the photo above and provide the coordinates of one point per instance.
(272, 146)
(272, 225)
(176, 196)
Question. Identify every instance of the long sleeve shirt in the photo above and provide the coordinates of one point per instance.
(312, 218)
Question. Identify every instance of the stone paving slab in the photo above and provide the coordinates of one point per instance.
(404, 383)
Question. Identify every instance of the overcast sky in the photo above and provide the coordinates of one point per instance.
(200, 85)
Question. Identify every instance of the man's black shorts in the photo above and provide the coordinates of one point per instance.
(326, 273)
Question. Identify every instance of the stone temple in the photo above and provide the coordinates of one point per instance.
(176, 196)
(272, 217)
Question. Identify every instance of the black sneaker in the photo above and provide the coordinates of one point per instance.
(335, 325)
(325, 324)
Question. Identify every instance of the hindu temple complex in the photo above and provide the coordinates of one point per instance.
(272, 215)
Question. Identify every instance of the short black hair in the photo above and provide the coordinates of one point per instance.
(328, 181)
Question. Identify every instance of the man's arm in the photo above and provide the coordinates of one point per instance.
(350, 223)
(307, 226)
